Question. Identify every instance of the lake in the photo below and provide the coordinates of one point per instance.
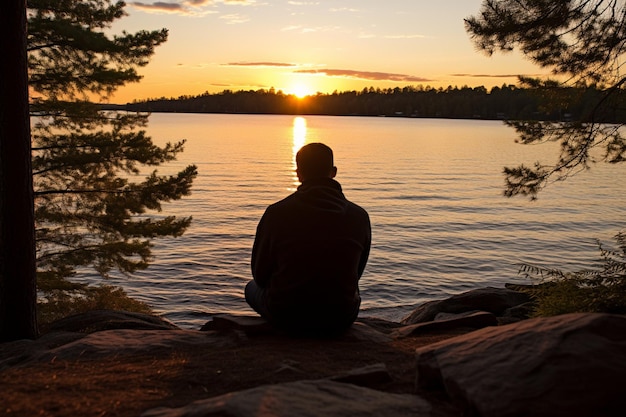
(432, 187)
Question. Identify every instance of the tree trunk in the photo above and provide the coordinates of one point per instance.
(18, 294)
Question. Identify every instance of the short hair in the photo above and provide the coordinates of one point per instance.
(314, 160)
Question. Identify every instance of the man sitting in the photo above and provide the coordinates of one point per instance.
(309, 252)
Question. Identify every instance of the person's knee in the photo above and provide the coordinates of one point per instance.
(250, 289)
(253, 293)
(255, 297)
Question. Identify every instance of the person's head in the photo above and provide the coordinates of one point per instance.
(315, 160)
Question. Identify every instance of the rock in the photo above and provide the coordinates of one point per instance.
(362, 332)
(570, 365)
(306, 399)
(21, 351)
(474, 320)
(490, 299)
(108, 343)
(448, 316)
(250, 325)
(67, 332)
(97, 320)
(382, 325)
(519, 312)
(257, 326)
(367, 376)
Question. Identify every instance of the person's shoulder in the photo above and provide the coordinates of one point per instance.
(281, 204)
(357, 209)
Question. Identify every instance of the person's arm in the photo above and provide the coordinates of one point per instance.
(366, 248)
(261, 254)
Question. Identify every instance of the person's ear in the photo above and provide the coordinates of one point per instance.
(298, 174)
(333, 172)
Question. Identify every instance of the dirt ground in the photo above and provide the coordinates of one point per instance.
(127, 385)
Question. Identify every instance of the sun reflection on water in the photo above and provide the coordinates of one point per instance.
(299, 139)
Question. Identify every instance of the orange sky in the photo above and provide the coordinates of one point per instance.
(304, 47)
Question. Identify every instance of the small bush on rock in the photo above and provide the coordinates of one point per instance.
(598, 290)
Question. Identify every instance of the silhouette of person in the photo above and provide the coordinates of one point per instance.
(309, 252)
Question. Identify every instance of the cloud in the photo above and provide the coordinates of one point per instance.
(240, 87)
(235, 18)
(365, 75)
(239, 2)
(342, 9)
(259, 64)
(159, 6)
(415, 36)
(187, 7)
(292, 27)
(195, 66)
(486, 75)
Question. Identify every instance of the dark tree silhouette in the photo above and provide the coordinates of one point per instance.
(97, 192)
(582, 42)
(17, 238)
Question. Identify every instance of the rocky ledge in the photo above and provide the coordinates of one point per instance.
(473, 354)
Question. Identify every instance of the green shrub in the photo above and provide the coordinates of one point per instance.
(597, 290)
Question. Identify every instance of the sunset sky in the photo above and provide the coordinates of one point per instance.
(309, 46)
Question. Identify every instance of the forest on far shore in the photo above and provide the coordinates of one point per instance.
(507, 102)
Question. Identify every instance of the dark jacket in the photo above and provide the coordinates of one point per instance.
(309, 253)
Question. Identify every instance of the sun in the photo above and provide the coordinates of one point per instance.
(301, 90)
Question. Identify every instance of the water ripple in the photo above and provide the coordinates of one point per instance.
(433, 191)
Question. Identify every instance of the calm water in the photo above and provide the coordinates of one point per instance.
(433, 189)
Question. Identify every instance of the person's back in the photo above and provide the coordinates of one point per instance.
(310, 251)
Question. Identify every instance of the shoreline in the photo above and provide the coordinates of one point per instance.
(132, 364)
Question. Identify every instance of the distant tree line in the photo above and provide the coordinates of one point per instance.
(507, 102)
